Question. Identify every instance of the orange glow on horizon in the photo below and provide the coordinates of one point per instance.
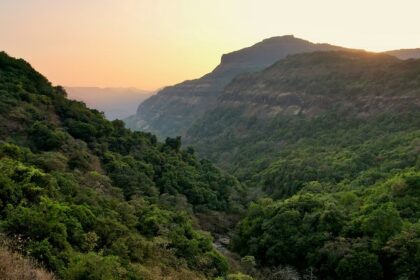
(149, 44)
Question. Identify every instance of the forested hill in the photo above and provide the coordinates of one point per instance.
(174, 109)
(90, 199)
(342, 99)
(333, 140)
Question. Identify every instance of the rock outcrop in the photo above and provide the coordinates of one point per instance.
(174, 109)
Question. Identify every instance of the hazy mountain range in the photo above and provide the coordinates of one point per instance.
(116, 103)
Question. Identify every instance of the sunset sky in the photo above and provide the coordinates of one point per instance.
(152, 43)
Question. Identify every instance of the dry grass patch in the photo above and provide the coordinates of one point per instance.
(14, 266)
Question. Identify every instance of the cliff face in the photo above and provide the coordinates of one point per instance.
(260, 115)
(310, 84)
(173, 110)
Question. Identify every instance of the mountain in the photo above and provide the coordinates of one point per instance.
(405, 53)
(173, 110)
(116, 103)
(79, 192)
(259, 115)
(328, 145)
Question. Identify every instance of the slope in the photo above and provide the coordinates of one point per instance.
(81, 192)
(342, 99)
(334, 139)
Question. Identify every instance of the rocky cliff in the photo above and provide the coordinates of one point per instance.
(173, 110)
(261, 115)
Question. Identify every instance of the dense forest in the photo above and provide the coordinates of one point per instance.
(328, 145)
(89, 199)
(324, 146)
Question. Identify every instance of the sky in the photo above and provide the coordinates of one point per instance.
(149, 44)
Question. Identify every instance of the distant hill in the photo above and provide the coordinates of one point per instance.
(116, 103)
(173, 110)
(405, 53)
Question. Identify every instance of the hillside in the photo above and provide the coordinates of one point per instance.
(326, 146)
(173, 110)
(405, 53)
(90, 199)
(329, 145)
(116, 103)
(306, 98)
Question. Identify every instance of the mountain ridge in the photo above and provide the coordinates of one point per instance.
(175, 108)
(354, 85)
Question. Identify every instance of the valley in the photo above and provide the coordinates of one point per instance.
(328, 133)
(290, 159)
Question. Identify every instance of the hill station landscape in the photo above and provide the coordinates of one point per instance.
(290, 160)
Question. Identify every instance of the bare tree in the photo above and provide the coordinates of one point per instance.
(282, 273)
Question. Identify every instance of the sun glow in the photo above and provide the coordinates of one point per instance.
(150, 44)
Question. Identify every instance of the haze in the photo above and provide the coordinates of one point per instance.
(150, 44)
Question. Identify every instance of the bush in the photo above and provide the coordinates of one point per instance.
(45, 138)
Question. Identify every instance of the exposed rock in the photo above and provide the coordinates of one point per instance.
(173, 110)
(352, 85)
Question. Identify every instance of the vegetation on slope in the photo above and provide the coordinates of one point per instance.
(334, 139)
(93, 200)
(368, 233)
(321, 116)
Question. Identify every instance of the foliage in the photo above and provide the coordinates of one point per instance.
(93, 200)
(370, 237)
(332, 138)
